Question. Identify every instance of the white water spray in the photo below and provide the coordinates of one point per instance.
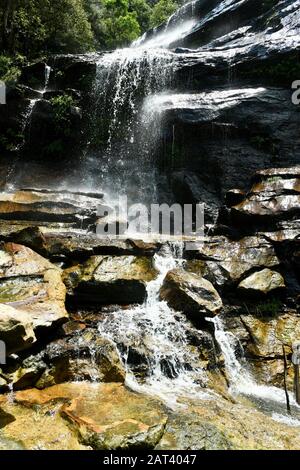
(159, 335)
(243, 383)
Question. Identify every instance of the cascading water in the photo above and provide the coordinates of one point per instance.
(26, 123)
(119, 129)
(152, 340)
(13, 169)
(268, 398)
(124, 79)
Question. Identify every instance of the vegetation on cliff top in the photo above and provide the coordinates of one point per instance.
(31, 29)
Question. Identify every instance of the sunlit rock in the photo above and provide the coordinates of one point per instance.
(227, 262)
(16, 329)
(222, 425)
(104, 416)
(262, 282)
(49, 206)
(31, 284)
(111, 279)
(191, 294)
(26, 428)
(274, 197)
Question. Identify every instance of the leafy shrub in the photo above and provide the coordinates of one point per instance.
(61, 106)
(162, 11)
(9, 73)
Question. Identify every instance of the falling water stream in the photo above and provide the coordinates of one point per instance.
(153, 341)
(269, 399)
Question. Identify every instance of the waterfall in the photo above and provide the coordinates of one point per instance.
(121, 135)
(268, 398)
(47, 77)
(152, 341)
(120, 131)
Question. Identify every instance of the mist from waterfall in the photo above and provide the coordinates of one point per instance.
(124, 79)
(119, 122)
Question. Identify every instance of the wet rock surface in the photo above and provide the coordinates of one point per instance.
(274, 197)
(104, 416)
(109, 417)
(228, 261)
(226, 427)
(191, 294)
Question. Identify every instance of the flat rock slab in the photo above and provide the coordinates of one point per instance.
(221, 425)
(111, 279)
(49, 206)
(104, 416)
(22, 428)
(65, 240)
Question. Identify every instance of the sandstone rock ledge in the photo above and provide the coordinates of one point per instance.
(110, 417)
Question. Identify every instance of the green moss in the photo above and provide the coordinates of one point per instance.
(61, 107)
(265, 144)
(270, 308)
(18, 289)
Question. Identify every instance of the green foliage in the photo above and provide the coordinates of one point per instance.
(143, 13)
(9, 72)
(268, 4)
(68, 29)
(265, 144)
(61, 106)
(10, 139)
(162, 11)
(38, 27)
(270, 308)
(120, 26)
(55, 148)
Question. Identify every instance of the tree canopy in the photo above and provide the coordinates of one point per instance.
(33, 28)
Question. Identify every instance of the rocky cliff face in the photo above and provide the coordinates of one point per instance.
(75, 307)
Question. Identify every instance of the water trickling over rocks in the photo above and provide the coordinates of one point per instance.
(189, 113)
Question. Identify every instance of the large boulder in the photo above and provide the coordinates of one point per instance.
(190, 294)
(111, 279)
(32, 286)
(87, 356)
(35, 75)
(16, 329)
(262, 283)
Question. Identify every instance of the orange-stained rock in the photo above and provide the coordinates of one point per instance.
(105, 416)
